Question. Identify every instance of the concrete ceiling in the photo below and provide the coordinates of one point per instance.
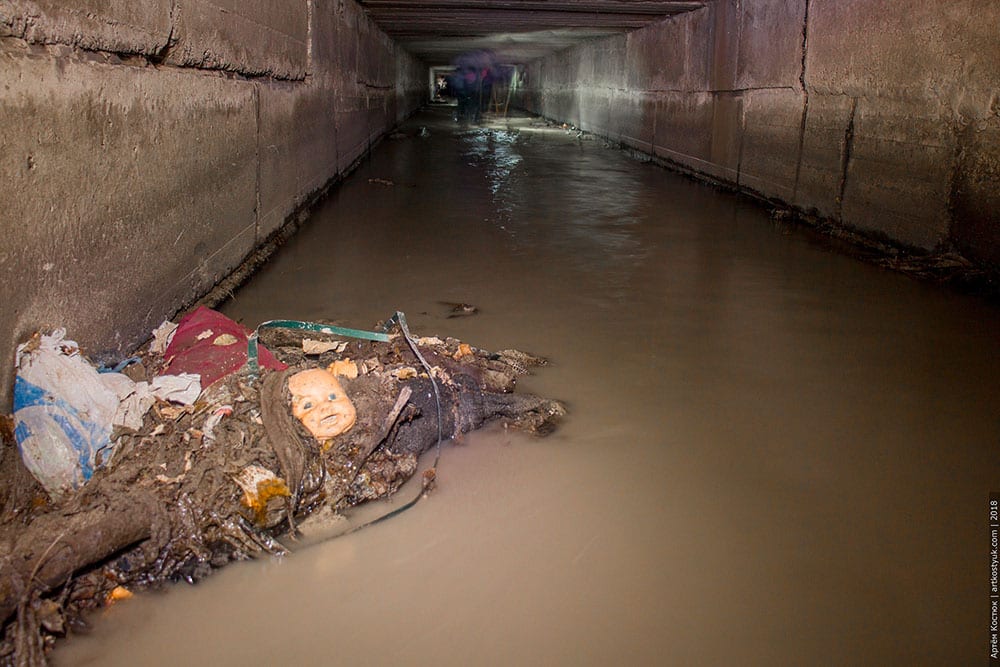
(516, 30)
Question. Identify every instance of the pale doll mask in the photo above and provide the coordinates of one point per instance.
(319, 402)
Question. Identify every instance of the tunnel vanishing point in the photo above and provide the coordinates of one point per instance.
(147, 149)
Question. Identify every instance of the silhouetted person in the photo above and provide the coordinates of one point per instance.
(471, 81)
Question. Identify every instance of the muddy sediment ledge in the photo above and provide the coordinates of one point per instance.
(943, 267)
(235, 476)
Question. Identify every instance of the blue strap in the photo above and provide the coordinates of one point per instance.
(253, 363)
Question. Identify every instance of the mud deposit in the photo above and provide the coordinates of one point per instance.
(775, 454)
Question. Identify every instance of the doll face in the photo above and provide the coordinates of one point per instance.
(319, 402)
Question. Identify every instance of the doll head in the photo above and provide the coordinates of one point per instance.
(320, 403)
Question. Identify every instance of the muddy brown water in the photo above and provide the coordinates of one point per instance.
(776, 455)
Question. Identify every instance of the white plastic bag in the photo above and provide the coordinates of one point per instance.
(63, 412)
(64, 409)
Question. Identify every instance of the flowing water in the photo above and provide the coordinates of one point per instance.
(775, 454)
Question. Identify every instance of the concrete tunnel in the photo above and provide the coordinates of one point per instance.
(150, 150)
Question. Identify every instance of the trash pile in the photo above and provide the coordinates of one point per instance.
(216, 444)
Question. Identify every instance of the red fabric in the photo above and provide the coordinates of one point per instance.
(187, 354)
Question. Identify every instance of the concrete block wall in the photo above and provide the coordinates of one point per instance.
(147, 148)
(883, 117)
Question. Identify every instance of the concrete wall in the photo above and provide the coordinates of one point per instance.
(884, 117)
(147, 148)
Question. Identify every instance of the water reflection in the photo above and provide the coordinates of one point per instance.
(582, 208)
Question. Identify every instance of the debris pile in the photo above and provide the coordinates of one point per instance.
(175, 482)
